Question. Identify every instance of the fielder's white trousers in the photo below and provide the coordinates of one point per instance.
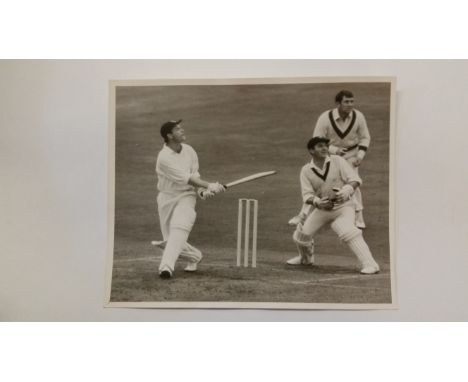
(357, 196)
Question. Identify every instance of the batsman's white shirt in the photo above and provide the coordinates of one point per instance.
(174, 169)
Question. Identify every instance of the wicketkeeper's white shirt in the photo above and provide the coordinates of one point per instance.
(174, 169)
(336, 172)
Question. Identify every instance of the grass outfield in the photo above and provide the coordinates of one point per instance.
(237, 131)
(332, 279)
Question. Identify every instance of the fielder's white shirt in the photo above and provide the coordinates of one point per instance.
(174, 169)
(343, 133)
(336, 172)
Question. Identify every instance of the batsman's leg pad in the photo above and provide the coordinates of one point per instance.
(174, 246)
(183, 218)
(192, 254)
(189, 252)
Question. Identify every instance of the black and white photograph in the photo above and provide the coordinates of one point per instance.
(257, 193)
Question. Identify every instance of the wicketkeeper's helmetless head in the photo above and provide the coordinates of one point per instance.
(315, 140)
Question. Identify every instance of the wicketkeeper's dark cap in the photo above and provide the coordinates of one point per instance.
(312, 142)
(167, 127)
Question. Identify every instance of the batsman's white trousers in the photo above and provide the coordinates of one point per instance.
(176, 217)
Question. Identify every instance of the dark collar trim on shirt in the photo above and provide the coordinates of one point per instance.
(324, 176)
(335, 127)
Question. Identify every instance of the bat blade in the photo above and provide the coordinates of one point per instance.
(250, 178)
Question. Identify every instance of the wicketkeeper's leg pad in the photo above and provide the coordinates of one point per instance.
(352, 236)
(304, 243)
(301, 238)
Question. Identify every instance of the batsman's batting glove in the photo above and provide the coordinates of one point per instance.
(204, 194)
(216, 188)
(345, 192)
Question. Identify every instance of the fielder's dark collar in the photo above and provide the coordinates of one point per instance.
(340, 133)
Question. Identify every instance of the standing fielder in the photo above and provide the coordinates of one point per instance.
(346, 128)
(178, 176)
(328, 183)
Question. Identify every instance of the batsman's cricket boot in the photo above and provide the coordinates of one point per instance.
(194, 257)
(193, 265)
(165, 273)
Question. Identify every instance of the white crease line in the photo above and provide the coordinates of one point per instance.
(319, 283)
(137, 259)
(363, 277)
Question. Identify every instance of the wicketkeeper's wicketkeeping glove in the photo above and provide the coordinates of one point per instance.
(345, 192)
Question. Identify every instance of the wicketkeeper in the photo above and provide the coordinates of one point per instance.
(328, 183)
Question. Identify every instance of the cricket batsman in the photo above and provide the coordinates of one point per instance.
(178, 178)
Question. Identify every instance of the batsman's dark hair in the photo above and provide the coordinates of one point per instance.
(343, 93)
(167, 128)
